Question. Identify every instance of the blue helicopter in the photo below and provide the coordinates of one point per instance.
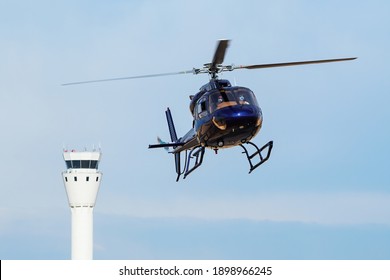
(224, 116)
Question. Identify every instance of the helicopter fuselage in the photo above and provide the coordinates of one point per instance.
(229, 126)
(224, 115)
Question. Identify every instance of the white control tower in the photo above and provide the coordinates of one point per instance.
(82, 181)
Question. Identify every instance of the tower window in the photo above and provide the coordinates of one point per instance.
(75, 178)
(66, 179)
(97, 179)
(89, 164)
(94, 164)
(76, 163)
(87, 178)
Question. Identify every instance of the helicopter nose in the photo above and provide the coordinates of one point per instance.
(238, 118)
(243, 118)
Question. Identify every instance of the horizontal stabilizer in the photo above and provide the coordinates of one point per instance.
(165, 145)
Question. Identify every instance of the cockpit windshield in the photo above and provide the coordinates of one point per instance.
(231, 97)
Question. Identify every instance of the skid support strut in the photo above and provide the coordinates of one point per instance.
(267, 147)
(196, 153)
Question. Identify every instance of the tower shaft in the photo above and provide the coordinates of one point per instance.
(82, 233)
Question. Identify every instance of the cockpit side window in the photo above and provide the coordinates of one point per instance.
(201, 109)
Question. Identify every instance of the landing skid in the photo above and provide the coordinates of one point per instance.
(194, 158)
(250, 157)
(196, 153)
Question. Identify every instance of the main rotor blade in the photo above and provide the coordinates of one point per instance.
(133, 77)
(219, 54)
(284, 64)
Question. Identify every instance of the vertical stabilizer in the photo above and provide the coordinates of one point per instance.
(172, 132)
(171, 126)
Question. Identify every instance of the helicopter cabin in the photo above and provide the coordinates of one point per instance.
(220, 94)
(213, 84)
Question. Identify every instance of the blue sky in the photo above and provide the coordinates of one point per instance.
(324, 194)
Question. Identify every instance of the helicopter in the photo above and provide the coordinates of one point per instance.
(224, 115)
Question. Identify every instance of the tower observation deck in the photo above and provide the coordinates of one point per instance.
(82, 181)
